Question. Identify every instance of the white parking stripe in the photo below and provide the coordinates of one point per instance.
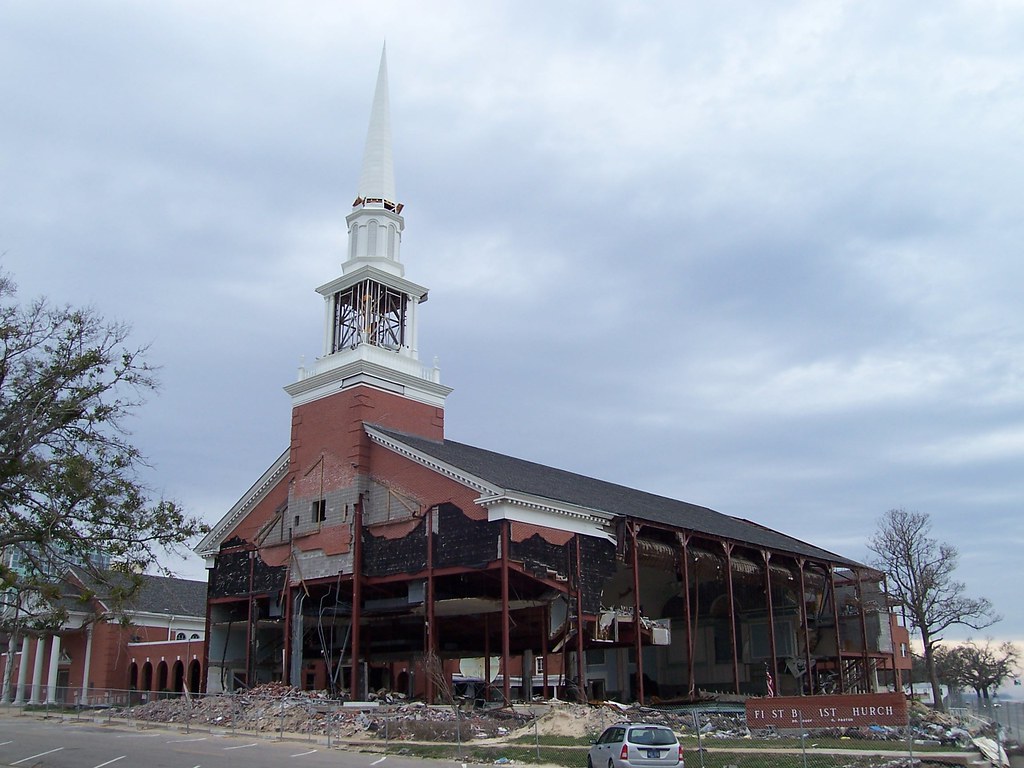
(33, 757)
(303, 754)
(242, 746)
(377, 762)
(186, 741)
(2, 743)
(122, 757)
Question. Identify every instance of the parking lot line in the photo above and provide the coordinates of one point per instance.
(122, 757)
(33, 757)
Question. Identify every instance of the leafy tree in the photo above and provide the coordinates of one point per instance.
(69, 485)
(920, 576)
(980, 666)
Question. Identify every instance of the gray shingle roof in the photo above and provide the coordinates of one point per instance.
(157, 594)
(171, 596)
(512, 474)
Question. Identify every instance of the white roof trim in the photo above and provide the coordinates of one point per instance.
(212, 541)
(541, 504)
(490, 494)
(442, 468)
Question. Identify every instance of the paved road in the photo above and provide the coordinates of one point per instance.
(29, 743)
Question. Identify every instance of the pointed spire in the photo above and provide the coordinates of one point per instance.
(377, 181)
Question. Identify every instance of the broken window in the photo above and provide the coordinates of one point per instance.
(319, 509)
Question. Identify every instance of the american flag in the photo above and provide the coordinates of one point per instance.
(770, 681)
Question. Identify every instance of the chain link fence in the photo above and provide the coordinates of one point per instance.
(544, 733)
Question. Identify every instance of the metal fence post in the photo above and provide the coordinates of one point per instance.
(696, 727)
(803, 740)
(536, 734)
(910, 738)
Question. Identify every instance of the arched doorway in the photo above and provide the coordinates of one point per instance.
(161, 676)
(194, 678)
(178, 675)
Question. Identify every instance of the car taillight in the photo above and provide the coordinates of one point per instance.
(624, 753)
(680, 753)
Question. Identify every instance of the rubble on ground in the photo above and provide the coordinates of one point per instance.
(279, 707)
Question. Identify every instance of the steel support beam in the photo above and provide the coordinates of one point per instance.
(728, 547)
(805, 622)
(430, 635)
(771, 614)
(506, 643)
(355, 687)
(839, 633)
(581, 667)
(638, 645)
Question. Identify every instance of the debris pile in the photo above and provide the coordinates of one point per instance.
(279, 707)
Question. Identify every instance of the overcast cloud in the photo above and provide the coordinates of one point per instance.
(760, 257)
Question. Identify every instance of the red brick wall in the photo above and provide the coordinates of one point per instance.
(334, 426)
(261, 512)
(422, 484)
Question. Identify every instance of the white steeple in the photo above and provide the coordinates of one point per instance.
(377, 181)
(370, 311)
(375, 225)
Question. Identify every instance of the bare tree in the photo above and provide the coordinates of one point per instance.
(920, 571)
(980, 666)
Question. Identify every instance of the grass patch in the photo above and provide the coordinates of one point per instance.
(768, 754)
(554, 741)
(692, 759)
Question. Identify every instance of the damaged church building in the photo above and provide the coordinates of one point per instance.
(375, 553)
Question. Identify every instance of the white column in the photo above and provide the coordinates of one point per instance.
(37, 673)
(412, 339)
(51, 677)
(328, 324)
(88, 663)
(8, 676)
(19, 695)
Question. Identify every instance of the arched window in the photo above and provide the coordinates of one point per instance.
(391, 241)
(371, 239)
(180, 636)
(195, 636)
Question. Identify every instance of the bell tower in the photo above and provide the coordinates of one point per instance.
(370, 310)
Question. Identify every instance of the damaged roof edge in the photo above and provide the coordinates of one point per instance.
(210, 544)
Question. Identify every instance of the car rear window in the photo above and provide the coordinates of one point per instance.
(653, 736)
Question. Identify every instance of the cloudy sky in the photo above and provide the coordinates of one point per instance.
(760, 257)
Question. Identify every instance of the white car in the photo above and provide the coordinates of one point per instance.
(636, 745)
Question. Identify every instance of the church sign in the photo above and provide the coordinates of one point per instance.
(844, 711)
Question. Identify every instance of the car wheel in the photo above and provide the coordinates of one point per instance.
(590, 763)
(611, 763)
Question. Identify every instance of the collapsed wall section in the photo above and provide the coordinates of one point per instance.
(241, 571)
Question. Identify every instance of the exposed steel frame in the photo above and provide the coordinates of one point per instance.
(504, 568)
